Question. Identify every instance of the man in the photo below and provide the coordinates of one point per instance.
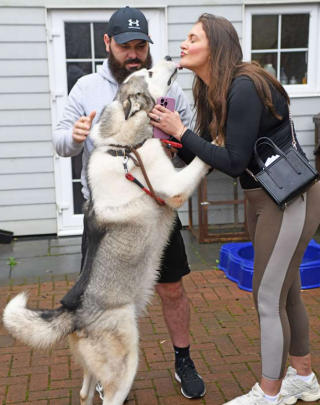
(127, 42)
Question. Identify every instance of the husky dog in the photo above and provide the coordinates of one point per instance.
(127, 232)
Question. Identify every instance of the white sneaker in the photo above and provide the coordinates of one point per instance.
(293, 388)
(255, 397)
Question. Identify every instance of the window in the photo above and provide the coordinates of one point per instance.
(283, 40)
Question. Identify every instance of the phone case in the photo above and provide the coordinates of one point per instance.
(169, 103)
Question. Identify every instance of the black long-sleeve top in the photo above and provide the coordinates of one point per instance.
(247, 120)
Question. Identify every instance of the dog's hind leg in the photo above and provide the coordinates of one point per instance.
(110, 354)
(121, 367)
(117, 389)
(88, 389)
(89, 381)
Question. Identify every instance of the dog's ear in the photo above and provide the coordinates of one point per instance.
(130, 107)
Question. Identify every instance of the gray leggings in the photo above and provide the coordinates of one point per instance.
(280, 239)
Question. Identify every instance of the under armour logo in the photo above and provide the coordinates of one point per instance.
(136, 23)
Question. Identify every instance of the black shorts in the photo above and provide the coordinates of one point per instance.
(174, 264)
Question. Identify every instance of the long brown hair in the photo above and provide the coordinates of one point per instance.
(226, 64)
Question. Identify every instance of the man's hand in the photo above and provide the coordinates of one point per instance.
(81, 128)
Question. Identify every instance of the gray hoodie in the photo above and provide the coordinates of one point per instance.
(94, 92)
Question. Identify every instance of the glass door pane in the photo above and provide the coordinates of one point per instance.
(268, 61)
(75, 70)
(294, 66)
(78, 41)
(99, 29)
(295, 31)
(264, 32)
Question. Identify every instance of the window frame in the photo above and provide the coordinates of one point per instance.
(312, 88)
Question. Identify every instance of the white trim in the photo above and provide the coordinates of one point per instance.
(93, 7)
(307, 95)
(166, 24)
(70, 233)
(279, 50)
(277, 2)
(242, 23)
(93, 59)
(313, 85)
(279, 42)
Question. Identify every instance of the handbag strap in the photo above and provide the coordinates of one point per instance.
(294, 143)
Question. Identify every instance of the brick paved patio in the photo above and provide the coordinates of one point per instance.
(225, 347)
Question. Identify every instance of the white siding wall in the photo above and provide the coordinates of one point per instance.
(303, 111)
(27, 190)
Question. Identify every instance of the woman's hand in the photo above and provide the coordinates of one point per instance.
(167, 121)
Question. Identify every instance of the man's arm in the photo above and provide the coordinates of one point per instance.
(73, 129)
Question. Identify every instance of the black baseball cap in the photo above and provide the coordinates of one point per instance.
(128, 24)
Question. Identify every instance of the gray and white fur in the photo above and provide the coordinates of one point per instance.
(127, 232)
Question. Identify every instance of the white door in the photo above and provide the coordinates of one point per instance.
(76, 48)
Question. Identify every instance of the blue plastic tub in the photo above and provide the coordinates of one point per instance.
(236, 260)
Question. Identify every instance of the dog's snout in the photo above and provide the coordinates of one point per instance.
(168, 58)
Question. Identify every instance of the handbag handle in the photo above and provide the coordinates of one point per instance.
(294, 144)
(269, 142)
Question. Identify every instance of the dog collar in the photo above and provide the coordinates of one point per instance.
(116, 152)
(127, 147)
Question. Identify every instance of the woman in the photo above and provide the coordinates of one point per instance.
(237, 103)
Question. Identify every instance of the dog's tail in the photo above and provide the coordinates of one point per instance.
(39, 328)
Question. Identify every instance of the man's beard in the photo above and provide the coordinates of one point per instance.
(120, 71)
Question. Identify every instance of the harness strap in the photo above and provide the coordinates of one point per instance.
(125, 152)
(171, 146)
(158, 200)
(137, 182)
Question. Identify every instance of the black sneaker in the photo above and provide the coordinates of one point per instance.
(192, 385)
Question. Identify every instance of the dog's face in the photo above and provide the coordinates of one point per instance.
(141, 90)
(126, 121)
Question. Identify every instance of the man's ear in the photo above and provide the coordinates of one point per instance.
(130, 107)
(107, 41)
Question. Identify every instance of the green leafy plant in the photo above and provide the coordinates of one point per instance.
(12, 261)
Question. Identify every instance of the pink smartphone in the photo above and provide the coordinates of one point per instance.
(169, 103)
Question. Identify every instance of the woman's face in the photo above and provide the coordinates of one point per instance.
(195, 50)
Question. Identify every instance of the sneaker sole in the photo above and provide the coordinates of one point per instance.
(184, 394)
(304, 397)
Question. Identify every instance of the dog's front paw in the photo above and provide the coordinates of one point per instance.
(176, 201)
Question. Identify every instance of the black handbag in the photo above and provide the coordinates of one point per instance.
(287, 177)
